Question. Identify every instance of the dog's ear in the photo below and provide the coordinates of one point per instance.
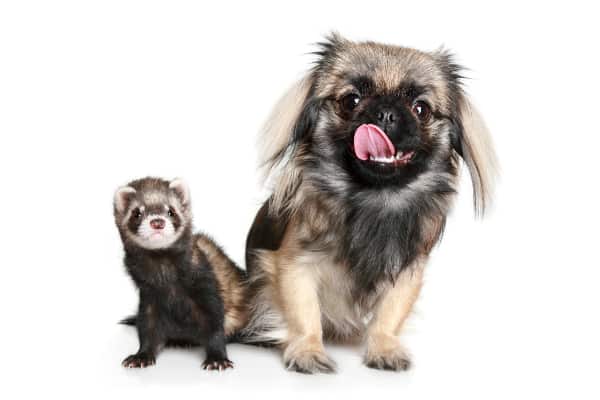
(295, 114)
(292, 122)
(469, 135)
(473, 143)
(307, 120)
(279, 131)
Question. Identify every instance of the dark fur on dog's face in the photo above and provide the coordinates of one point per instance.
(412, 96)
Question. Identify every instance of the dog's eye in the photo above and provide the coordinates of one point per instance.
(349, 102)
(422, 111)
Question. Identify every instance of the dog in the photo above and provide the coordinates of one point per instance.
(363, 155)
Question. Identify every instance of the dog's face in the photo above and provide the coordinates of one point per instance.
(385, 112)
(371, 116)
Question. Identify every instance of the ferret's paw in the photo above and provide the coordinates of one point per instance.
(212, 364)
(385, 352)
(139, 360)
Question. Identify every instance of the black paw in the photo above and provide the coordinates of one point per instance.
(220, 364)
(139, 360)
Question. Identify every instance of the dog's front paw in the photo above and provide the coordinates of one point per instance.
(307, 356)
(139, 360)
(220, 364)
(310, 362)
(386, 352)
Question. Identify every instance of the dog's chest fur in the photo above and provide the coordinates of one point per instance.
(343, 313)
(373, 236)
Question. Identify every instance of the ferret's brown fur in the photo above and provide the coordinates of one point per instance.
(231, 280)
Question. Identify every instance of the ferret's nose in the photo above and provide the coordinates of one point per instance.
(157, 223)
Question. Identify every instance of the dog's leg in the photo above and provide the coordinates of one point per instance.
(298, 296)
(384, 350)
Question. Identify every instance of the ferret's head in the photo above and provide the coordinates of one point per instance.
(153, 213)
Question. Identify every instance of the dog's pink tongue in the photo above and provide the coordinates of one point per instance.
(371, 141)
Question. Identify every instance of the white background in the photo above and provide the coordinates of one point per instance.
(94, 94)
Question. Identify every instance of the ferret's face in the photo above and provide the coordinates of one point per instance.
(154, 225)
(152, 213)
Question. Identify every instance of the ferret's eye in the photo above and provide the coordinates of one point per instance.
(170, 213)
(349, 102)
(137, 214)
(421, 110)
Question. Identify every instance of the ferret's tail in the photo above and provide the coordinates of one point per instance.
(131, 320)
(235, 338)
(232, 280)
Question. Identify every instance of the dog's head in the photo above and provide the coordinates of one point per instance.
(381, 116)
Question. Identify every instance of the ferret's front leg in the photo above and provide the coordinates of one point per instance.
(210, 304)
(150, 336)
(216, 354)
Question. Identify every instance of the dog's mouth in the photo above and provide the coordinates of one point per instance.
(372, 145)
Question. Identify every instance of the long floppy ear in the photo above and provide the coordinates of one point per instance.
(292, 120)
(278, 131)
(475, 146)
(122, 198)
(470, 136)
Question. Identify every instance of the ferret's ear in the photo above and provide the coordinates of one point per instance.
(181, 190)
(475, 146)
(123, 197)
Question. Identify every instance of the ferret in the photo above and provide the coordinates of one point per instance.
(190, 291)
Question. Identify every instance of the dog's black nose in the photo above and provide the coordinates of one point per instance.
(386, 116)
(157, 223)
